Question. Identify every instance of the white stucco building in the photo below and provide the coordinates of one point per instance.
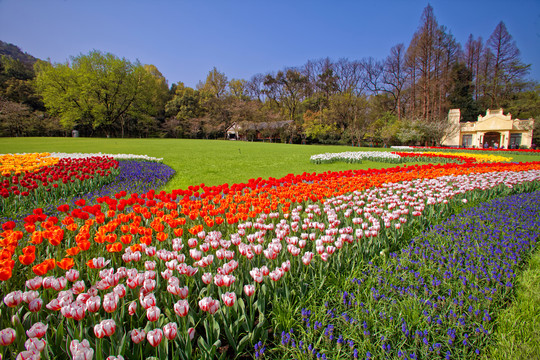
(493, 129)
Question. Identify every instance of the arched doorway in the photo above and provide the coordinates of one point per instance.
(492, 138)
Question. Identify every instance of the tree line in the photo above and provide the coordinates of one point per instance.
(402, 99)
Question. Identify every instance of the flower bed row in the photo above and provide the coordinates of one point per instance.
(65, 178)
(42, 180)
(454, 149)
(436, 299)
(401, 157)
(119, 268)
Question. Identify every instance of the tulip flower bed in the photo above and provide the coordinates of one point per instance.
(193, 273)
(469, 149)
(401, 157)
(435, 299)
(133, 177)
(60, 178)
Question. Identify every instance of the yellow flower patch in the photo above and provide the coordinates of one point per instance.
(478, 157)
(20, 163)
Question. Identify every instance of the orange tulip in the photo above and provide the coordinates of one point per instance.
(161, 236)
(66, 263)
(116, 247)
(126, 239)
(72, 251)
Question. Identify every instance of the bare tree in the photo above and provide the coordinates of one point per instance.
(507, 67)
(348, 76)
(255, 87)
(394, 76)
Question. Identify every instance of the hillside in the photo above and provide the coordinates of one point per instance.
(15, 52)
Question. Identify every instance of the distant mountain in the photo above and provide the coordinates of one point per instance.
(15, 52)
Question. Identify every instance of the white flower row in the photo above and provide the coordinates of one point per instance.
(402, 148)
(354, 156)
(115, 156)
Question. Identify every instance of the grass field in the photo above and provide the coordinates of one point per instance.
(211, 162)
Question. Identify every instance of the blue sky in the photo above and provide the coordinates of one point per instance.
(186, 39)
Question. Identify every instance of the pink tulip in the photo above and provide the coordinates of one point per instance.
(76, 346)
(195, 254)
(28, 296)
(37, 330)
(35, 344)
(170, 330)
(192, 243)
(229, 298)
(148, 301)
(150, 251)
(84, 354)
(150, 265)
(83, 298)
(93, 304)
(257, 275)
(204, 247)
(137, 335)
(98, 331)
(181, 308)
(7, 337)
(35, 305)
(149, 285)
(13, 298)
(28, 355)
(184, 292)
(249, 289)
(119, 357)
(59, 283)
(218, 280)
(191, 333)
(77, 311)
(72, 275)
(154, 337)
(153, 313)
(53, 305)
(34, 283)
(132, 308)
(110, 302)
(120, 290)
(208, 304)
(78, 287)
(109, 327)
(307, 257)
